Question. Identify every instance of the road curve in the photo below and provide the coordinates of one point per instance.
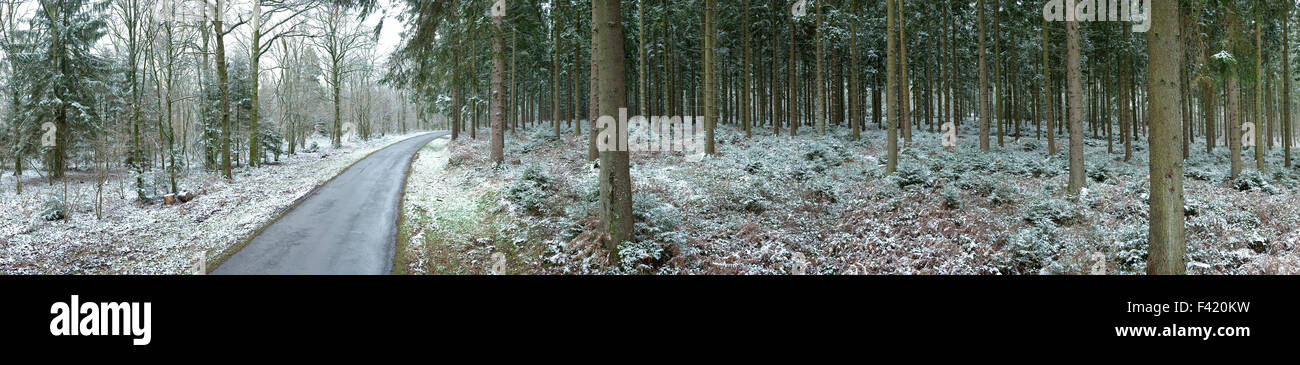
(348, 226)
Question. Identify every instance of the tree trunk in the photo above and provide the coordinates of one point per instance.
(1075, 109)
(891, 84)
(1234, 121)
(1259, 101)
(224, 90)
(710, 77)
(615, 179)
(1286, 86)
(904, 80)
(1167, 245)
(497, 155)
(1047, 96)
(984, 83)
(745, 74)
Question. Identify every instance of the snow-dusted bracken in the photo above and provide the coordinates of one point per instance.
(773, 204)
(132, 238)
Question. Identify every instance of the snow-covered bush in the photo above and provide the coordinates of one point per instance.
(1031, 248)
(530, 191)
(819, 157)
(312, 148)
(1130, 248)
(53, 209)
(271, 142)
(910, 173)
(653, 217)
(951, 199)
(1052, 212)
(821, 191)
(1099, 173)
(1203, 174)
(640, 257)
(1253, 180)
(537, 138)
(1003, 194)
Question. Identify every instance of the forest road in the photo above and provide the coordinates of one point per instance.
(348, 226)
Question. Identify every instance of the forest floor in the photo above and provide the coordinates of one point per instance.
(821, 205)
(136, 238)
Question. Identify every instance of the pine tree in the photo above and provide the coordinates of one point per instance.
(55, 77)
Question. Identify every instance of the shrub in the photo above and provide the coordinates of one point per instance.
(910, 173)
(537, 138)
(821, 157)
(1201, 174)
(639, 256)
(312, 148)
(821, 191)
(951, 199)
(653, 217)
(530, 191)
(1253, 180)
(1003, 194)
(1052, 212)
(1130, 248)
(1031, 145)
(53, 209)
(1099, 173)
(1031, 248)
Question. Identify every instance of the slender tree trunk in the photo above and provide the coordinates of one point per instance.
(1047, 96)
(223, 88)
(984, 83)
(497, 155)
(555, 70)
(1286, 86)
(710, 78)
(593, 96)
(904, 80)
(891, 84)
(1232, 111)
(1259, 101)
(792, 84)
(1167, 244)
(1075, 109)
(745, 73)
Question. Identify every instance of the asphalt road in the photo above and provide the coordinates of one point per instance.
(348, 226)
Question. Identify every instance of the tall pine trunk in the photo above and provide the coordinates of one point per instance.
(984, 83)
(1074, 78)
(615, 179)
(1167, 231)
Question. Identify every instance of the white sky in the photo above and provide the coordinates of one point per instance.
(391, 36)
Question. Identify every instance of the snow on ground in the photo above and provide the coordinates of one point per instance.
(158, 239)
(774, 205)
